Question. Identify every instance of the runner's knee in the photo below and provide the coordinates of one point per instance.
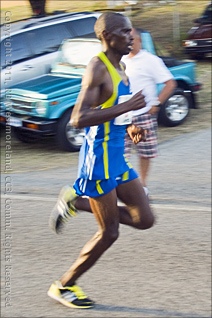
(109, 236)
(145, 223)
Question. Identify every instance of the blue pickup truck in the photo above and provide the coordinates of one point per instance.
(42, 106)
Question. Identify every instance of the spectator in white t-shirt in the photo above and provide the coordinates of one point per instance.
(145, 71)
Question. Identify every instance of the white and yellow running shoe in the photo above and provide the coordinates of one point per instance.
(64, 209)
(70, 296)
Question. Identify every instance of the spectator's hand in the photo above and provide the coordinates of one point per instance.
(137, 133)
(154, 110)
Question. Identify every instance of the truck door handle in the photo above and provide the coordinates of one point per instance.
(27, 67)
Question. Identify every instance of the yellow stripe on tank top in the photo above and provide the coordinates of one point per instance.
(107, 104)
(105, 149)
(116, 79)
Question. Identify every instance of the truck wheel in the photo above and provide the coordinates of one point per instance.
(25, 136)
(68, 137)
(175, 110)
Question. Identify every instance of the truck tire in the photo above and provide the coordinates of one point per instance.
(175, 110)
(68, 138)
(26, 136)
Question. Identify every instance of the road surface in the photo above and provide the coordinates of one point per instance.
(163, 272)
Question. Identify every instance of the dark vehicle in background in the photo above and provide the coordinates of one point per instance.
(199, 39)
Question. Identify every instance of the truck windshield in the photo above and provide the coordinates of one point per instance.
(78, 53)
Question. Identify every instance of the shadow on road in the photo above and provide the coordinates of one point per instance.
(155, 312)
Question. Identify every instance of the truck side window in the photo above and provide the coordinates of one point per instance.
(78, 26)
(14, 49)
(48, 39)
(207, 15)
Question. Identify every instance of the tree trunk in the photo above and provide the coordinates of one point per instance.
(38, 8)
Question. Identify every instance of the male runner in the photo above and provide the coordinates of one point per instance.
(105, 175)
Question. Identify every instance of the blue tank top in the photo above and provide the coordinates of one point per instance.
(102, 153)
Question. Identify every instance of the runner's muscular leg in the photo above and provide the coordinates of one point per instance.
(137, 212)
(106, 213)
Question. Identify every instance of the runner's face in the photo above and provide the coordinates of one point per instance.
(122, 39)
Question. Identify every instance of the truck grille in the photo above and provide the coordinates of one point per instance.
(21, 106)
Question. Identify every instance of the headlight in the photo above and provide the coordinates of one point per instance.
(190, 43)
(40, 108)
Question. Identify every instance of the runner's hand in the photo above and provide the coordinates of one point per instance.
(137, 101)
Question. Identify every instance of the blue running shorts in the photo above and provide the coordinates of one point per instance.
(97, 188)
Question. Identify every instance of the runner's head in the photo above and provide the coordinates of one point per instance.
(113, 29)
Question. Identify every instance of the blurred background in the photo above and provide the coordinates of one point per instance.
(167, 20)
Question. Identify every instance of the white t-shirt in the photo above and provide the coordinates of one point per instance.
(145, 71)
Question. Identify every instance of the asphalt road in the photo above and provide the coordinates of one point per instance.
(163, 272)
